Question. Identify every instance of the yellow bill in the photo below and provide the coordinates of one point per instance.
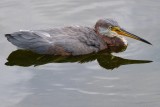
(125, 33)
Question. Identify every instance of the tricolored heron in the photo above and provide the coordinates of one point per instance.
(73, 40)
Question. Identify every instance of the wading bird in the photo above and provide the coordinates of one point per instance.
(73, 40)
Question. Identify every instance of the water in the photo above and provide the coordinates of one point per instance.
(87, 84)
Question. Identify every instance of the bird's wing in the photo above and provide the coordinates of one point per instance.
(30, 40)
(74, 40)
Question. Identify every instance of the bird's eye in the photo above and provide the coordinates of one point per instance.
(110, 27)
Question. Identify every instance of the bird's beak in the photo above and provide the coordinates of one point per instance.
(125, 33)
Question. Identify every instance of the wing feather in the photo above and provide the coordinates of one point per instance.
(75, 40)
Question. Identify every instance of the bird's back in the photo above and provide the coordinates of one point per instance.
(74, 40)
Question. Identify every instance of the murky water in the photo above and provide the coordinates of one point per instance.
(89, 84)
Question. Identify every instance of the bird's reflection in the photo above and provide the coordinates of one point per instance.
(104, 59)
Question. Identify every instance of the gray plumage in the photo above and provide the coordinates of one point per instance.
(111, 22)
(75, 40)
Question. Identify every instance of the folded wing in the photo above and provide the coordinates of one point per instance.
(67, 40)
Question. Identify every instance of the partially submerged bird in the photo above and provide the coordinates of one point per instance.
(73, 40)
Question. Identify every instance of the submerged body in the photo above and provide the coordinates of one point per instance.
(74, 40)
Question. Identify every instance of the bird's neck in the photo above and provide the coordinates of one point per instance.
(119, 43)
(105, 38)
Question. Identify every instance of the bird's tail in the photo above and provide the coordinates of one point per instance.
(29, 41)
(7, 35)
(10, 38)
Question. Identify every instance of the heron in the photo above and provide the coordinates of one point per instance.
(73, 40)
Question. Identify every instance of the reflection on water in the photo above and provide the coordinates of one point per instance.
(74, 84)
(104, 59)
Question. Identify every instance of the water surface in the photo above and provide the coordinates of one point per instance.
(87, 84)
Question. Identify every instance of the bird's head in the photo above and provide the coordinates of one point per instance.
(110, 28)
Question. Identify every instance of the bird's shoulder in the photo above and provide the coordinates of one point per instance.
(69, 31)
